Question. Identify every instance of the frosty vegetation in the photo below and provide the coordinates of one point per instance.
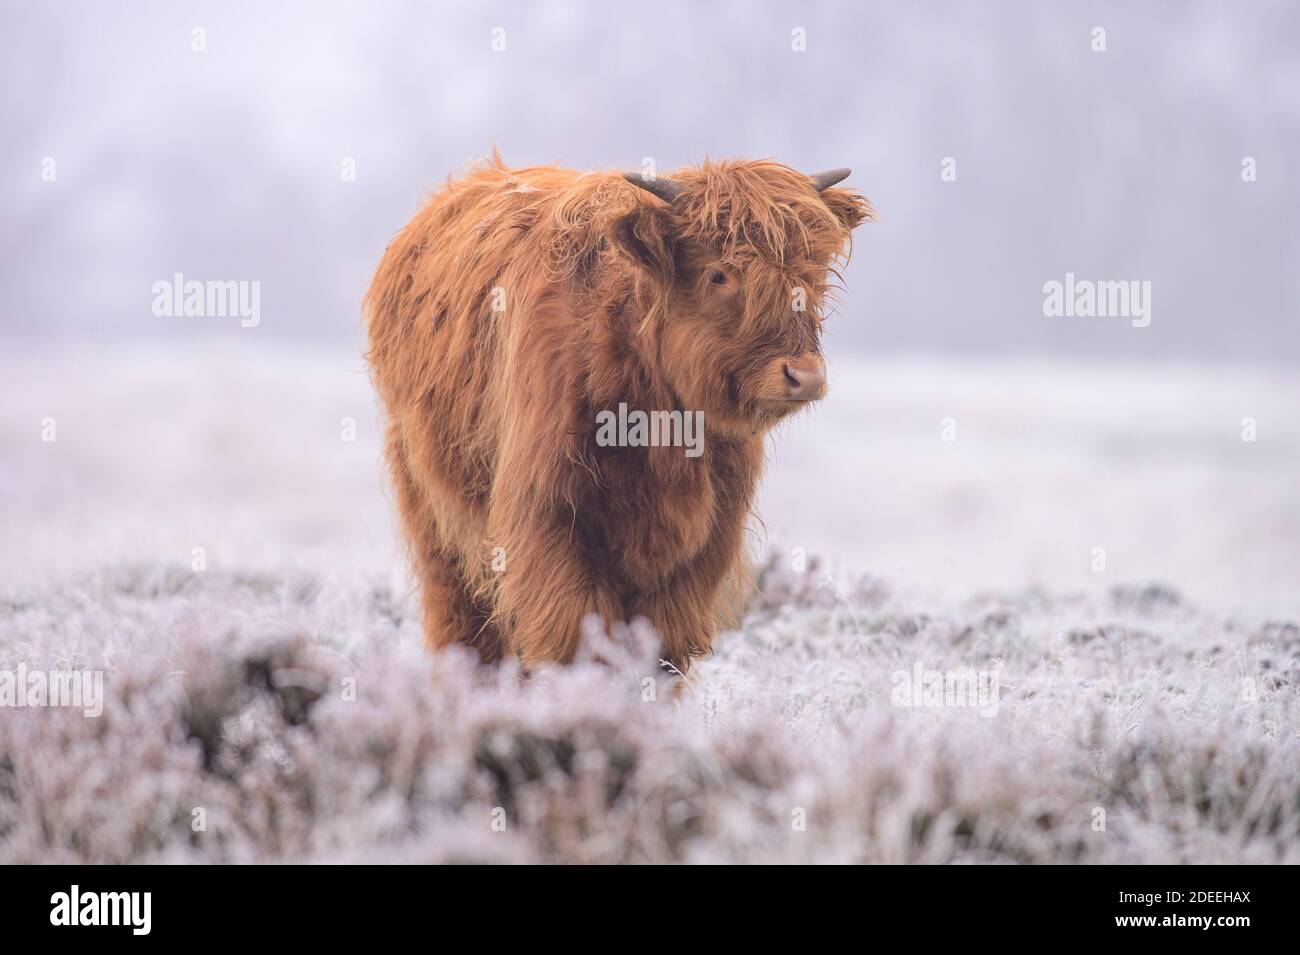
(277, 704)
(262, 718)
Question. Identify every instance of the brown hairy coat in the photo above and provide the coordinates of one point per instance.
(516, 306)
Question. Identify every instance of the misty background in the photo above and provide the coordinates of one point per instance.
(227, 164)
(968, 442)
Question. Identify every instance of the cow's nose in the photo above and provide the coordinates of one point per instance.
(805, 377)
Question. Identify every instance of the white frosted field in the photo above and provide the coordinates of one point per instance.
(1155, 693)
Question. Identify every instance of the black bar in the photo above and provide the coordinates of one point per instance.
(330, 904)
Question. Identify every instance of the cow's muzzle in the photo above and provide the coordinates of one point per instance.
(804, 377)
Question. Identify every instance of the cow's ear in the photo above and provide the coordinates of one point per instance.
(645, 236)
(849, 207)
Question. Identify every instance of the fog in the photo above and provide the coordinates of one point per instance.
(230, 162)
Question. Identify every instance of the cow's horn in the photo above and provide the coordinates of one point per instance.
(665, 189)
(824, 180)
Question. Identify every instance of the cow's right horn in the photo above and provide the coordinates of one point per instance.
(665, 189)
(824, 180)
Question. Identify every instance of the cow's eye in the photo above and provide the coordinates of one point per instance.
(718, 278)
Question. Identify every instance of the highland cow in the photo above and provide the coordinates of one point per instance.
(517, 309)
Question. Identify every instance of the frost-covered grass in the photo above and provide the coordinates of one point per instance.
(282, 689)
(306, 723)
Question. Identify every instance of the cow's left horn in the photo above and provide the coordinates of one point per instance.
(824, 180)
(665, 189)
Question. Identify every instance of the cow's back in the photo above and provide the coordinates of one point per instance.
(447, 307)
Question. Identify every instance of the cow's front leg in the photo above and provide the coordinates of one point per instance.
(546, 589)
(685, 609)
(682, 613)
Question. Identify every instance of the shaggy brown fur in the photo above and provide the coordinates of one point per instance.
(516, 306)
